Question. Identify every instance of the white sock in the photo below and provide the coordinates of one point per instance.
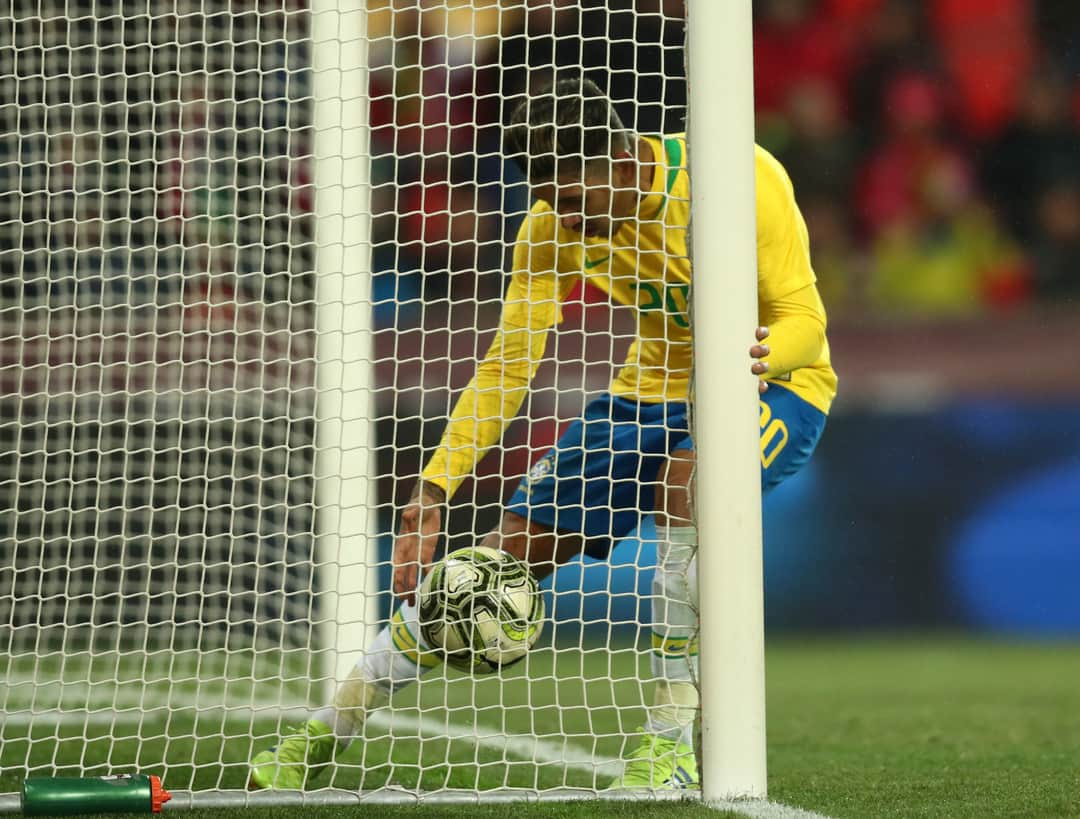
(674, 639)
(397, 657)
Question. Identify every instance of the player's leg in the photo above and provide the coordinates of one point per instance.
(789, 431)
(397, 657)
(665, 756)
(675, 617)
(675, 602)
(535, 543)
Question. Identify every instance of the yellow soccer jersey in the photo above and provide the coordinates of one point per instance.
(646, 263)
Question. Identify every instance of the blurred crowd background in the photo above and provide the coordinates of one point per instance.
(933, 143)
(158, 388)
(934, 147)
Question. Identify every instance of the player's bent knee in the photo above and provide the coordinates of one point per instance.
(536, 544)
(516, 535)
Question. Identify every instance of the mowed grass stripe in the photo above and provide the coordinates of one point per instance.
(926, 726)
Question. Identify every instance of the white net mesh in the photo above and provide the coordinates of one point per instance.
(161, 592)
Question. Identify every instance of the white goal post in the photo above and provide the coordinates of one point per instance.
(345, 489)
(250, 253)
(721, 120)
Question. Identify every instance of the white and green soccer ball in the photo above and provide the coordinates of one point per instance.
(480, 608)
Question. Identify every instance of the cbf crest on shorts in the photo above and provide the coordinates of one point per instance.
(540, 470)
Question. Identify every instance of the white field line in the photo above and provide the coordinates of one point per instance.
(522, 746)
(764, 809)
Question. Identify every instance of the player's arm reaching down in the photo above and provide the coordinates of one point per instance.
(398, 655)
(489, 403)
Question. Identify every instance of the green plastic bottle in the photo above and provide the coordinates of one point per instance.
(65, 796)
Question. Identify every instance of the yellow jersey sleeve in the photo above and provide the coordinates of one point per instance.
(783, 243)
(788, 300)
(796, 332)
(531, 307)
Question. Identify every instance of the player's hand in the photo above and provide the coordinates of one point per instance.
(418, 534)
(758, 352)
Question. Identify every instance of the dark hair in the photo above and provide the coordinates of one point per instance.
(564, 126)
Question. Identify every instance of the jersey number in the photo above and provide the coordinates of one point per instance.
(774, 435)
(673, 293)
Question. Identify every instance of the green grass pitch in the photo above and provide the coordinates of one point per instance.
(912, 727)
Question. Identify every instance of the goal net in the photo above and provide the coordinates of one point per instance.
(219, 380)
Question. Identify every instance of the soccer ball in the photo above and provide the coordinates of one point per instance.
(481, 609)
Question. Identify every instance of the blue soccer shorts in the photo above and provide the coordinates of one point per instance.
(600, 477)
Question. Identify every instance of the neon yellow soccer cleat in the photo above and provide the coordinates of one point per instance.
(301, 755)
(659, 764)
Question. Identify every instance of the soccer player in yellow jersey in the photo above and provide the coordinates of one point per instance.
(612, 207)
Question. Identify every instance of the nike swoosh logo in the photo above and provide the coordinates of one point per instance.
(590, 264)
